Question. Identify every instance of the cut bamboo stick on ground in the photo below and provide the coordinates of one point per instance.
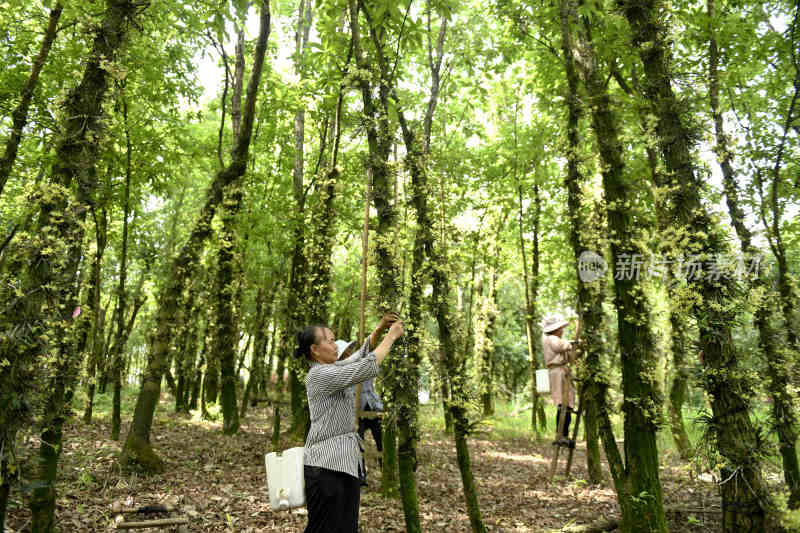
(153, 523)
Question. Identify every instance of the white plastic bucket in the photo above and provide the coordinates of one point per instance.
(542, 381)
(285, 480)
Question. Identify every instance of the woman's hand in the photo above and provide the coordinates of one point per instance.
(387, 320)
(396, 331)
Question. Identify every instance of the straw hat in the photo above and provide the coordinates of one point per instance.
(552, 323)
(342, 346)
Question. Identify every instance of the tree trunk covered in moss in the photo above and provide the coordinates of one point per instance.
(771, 340)
(379, 140)
(119, 346)
(645, 512)
(295, 321)
(184, 356)
(276, 405)
(531, 308)
(538, 421)
(211, 380)
(407, 393)
(227, 298)
(485, 340)
(408, 413)
(319, 252)
(138, 450)
(97, 314)
(272, 357)
(679, 323)
(487, 324)
(256, 374)
(227, 331)
(50, 279)
(19, 117)
(455, 364)
(736, 436)
(680, 382)
(583, 236)
(197, 399)
(297, 311)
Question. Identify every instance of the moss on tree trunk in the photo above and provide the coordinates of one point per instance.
(226, 327)
(679, 386)
(641, 498)
(735, 433)
(137, 451)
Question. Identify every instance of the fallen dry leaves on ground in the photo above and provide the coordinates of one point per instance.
(219, 483)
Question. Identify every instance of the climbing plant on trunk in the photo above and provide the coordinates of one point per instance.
(638, 486)
(716, 307)
(772, 341)
(138, 451)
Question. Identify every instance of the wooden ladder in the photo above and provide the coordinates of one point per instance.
(562, 418)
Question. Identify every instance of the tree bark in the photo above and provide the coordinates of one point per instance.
(379, 140)
(531, 309)
(138, 450)
(485, 343)
(680, 382)
(227, 328)
(186, 352)
(98, 314)
(784, 417)
(116, 351)
(679, 323)
(62, 220)
(227, 336)
(323, 238)
(735, 433)
(297, 301)
(256, 374)
(19, 117)
(583, 237)
(641, 498)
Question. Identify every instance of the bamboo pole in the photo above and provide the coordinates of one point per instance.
(364, 251)
(153, 523)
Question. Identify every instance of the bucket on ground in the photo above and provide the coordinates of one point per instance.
(285, 480)
(542, 381)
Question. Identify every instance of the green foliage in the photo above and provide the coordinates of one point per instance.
(499, 126)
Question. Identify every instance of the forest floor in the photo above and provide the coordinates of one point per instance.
(219, 483)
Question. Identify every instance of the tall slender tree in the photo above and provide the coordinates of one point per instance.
(20, 114)
(636, 343)
(584, 238)
(296, 311)
(137, 450)
(118, 348)
(736, 435)
(380, 136)
(771, 341)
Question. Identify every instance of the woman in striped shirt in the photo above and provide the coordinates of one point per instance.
(332, 450)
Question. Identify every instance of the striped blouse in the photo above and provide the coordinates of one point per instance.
(332, 442)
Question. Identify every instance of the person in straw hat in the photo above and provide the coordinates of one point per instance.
(558, 354)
